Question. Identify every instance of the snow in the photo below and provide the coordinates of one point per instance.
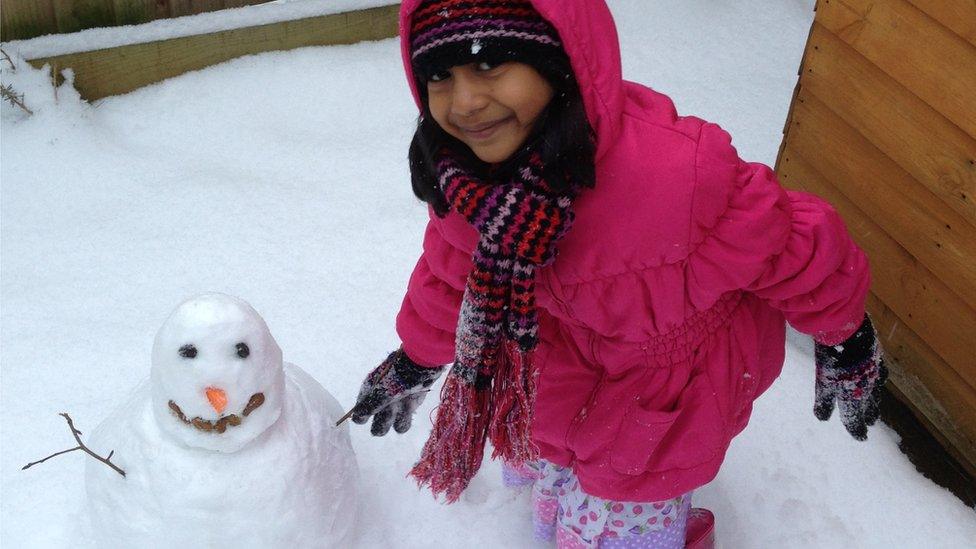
(203, 23)
(282, 178)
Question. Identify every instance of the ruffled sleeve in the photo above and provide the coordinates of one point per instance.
(789, 248)
(428, 316)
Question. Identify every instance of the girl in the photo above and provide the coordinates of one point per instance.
(614, 374)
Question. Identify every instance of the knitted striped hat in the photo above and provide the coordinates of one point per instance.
(447, 33)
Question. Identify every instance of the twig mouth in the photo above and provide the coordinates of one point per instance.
(221, 424)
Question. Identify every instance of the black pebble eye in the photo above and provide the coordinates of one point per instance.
(242, 350)
(188, 351)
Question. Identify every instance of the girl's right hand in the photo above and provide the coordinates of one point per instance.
(392, 392)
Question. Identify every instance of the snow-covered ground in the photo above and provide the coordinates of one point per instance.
(282, 178)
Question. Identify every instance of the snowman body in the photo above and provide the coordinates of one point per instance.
(285, 477)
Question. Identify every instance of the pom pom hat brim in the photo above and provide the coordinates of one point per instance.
(448, 33)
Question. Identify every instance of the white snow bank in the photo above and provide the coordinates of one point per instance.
(203, 23)
(39, 96)
(287, 185)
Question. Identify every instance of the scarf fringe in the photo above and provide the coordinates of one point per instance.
(467, 416)
(513, 399)
(453, 453)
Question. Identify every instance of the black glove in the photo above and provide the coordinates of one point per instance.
(852, 374)
(394, 396)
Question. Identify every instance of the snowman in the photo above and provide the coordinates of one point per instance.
(223, 445)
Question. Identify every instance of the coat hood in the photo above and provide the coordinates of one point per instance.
(589, 37)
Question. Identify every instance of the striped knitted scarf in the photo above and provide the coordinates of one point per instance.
(489, 390)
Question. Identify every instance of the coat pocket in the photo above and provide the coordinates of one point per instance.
(640, 435)
(687, 435)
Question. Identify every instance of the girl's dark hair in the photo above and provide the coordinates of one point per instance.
(562, 136)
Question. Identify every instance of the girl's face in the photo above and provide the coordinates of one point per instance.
(490, 108)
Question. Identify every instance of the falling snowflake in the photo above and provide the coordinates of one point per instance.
(476, 47)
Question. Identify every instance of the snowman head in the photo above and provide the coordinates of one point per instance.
(217, 378)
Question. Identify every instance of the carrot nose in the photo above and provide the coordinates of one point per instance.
(217, 398)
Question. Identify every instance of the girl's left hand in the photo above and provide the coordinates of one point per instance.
(852, 374)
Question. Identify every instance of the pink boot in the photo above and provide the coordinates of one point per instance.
(701, 529)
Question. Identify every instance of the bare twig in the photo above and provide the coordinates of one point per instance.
(14, 98)
(81, 446)
(54, 80)
(8, 59)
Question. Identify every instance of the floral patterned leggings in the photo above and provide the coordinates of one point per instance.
(561, 511)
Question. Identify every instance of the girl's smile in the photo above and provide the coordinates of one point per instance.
(490, 108)
(482, 132)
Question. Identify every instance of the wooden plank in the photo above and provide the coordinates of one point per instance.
(133, 12)
(927, 306)
(930, 60)
(21, 19)
(937, 395)
(958, 15)
(920, 140)
(75, 15)
(118, 70)
(928, 229)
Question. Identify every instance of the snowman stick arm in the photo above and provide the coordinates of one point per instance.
(81, 446)
(33, 463)
(77, 434)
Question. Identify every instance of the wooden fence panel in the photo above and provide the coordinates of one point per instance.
(928, 59)
(201, 6)
(30, 18)
(942, 397)
(932, 233)
(919, 139)
(75, 15)
(919, 377)
(927, 306)
(957, 15)
(883, 125)
(25, 19)
(133, 12)
(179, 8)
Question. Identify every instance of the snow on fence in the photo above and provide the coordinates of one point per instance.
(111, 61)
(883, 125)
(30, 18)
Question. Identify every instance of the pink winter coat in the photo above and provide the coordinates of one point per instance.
(662, 318)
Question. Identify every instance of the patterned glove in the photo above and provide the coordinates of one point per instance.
(393, 397)
(851, 373)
